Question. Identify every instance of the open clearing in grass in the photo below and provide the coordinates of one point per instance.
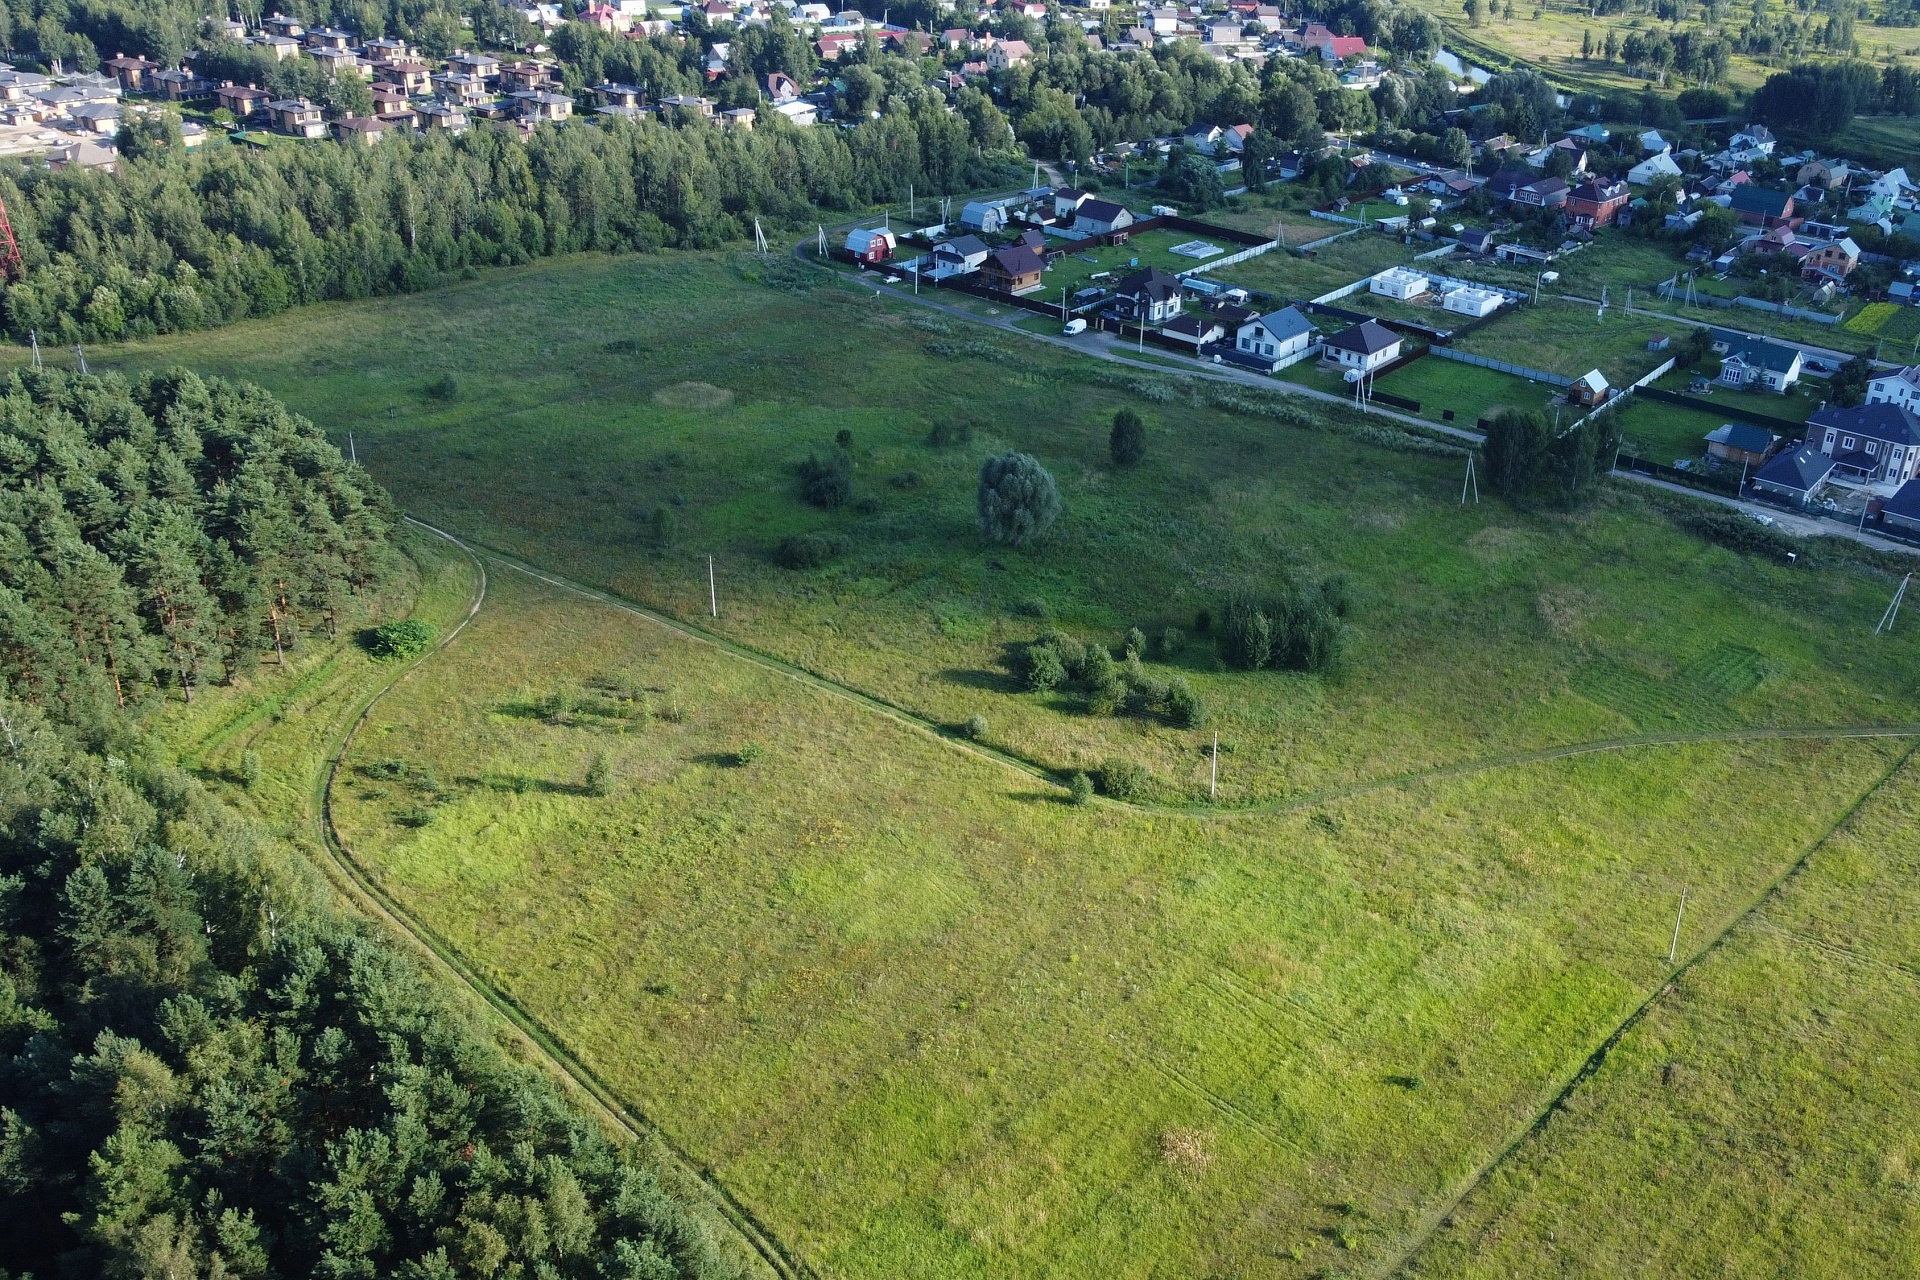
(1569, 338)
(1666, 432)
(1147, 249)
(926, 1019)
(1475, 631)
(1285, 276)
(1760, 1120)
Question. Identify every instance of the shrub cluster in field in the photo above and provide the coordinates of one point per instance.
(1298, 629)
(422, 789)
(397, 641)
(1058, 661)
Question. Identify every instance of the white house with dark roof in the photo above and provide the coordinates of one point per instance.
(1151, 295)
(1901, 387)
(1751, 362)
(1097, 217)
(1902, 510)
(1366, 346)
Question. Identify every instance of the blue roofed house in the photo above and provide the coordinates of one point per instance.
(1271, 339)
(1902, 510)
(1748, 362)
(1874, 443)
(1794, 473)
(1738, 442)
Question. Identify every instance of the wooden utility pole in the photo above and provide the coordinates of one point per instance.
(1213, 782)
(713, 592)
(1673, 948)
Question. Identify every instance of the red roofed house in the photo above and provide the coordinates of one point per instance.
(1331, 48)
(605, 17)
(831, 46)
(1596, 202)
(1007, 53)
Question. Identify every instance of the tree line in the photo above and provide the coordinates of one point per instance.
(205, 1070)
(181, 240)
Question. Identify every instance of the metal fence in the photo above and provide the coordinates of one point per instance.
(1702, 480)
(1518, 370)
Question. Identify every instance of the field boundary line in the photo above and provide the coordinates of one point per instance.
(913, 720)
(1590, 1067)
(558, 1060)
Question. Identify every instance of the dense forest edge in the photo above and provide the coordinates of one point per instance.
(206, 1068)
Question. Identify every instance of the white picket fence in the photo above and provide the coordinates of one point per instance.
(1252, 251)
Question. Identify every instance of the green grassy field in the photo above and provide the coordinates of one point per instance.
(1148, 249)
(1331, 266)
(922, 1016)
(1666, 432)
(1472, 393)
(1568, 338)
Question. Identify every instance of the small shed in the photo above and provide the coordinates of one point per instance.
(1590, 388)
(1659, 342)
(1737, 442)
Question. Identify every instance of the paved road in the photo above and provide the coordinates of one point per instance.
(1798, 526)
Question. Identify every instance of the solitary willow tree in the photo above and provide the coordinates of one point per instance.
(1018, 499)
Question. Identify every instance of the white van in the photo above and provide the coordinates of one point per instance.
(1075, 326)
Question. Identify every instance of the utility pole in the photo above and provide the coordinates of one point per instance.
(759, 238)
(1213, 782)
(1892, 614)
(1673, 948)
(80, 357)
(1472, 480)
(35, 337)
(1063, 304)
(713, 594)
(353, 455)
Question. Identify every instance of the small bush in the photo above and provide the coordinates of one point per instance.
(948, 435)
(975, 727)
(414, 816)
(1045, 671)
(1184, 707)
(251, 770)
(1171, 642)
(1128, 441)
(396, 641)
(599, 775)
(1080, 789)
(805, 550)
(443, 388)
(1136, 644)
(868, 505)
(1034, 607)
(384, 770)
(746, 754)
(827, 481)
(1124, 780)
(844, 437)
(905, 480)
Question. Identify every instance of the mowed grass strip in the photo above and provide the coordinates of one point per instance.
(927, 1019)
(621, 419)
(1760, 1120)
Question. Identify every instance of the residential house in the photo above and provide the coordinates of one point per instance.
(1016, 268)
(460, 88)
(798, 112)
(335, 60)
(605, 17)
(1794, 473)
(956, 38)
(1196, 328)
(243, 100)
(874, 244)
(984, 216)
(780, 87)
(538, 105)
(1901, 387)
(1007, 53)
(1659, 165)
(133, 73)
(1521, 255)
(328, 38)
(442, 117)
(1751, 143)
(410, 77)
(1223, 34)
(1590, 135)
(959, 257)
(181, 85)
(97, 117)
(481, 66)
(382, 49)
(1652, 144)
(20, 86)
(1067, 202)
(1878, 443)
(1398, 283)
(296, 117)
(1150, 295)
(281, 47)
(687, 104)
(1902, 510)
(1474, 240)
(609, 94)
(388, 99)
(279, 24)
(1366, 346)
(530, 77)
(1596, 203)
(1834, 260)
(1737, 442)
(1589, 390)
(1469, 301)
(1759, 362)
(1275, 337)
(1201, 137)
(1163, 21)
(1101, 217)
(833, 44)
(739, 117)
(1763, 207)
(1824, 174)
(1544, 193)
(1233, 139)
(364, 130)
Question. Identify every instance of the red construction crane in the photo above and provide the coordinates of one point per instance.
(10, 249)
